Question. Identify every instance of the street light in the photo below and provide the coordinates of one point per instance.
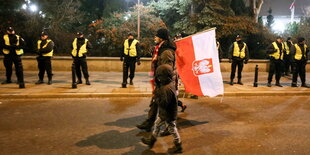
(33, 8)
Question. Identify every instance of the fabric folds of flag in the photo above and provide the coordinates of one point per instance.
(198, 64)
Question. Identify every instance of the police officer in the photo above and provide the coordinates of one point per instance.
(45, 50)
(238, 55)
(80, 47)
(12, 48)
(287, 58)
(276, 53)
(130, 55)
(299, 58)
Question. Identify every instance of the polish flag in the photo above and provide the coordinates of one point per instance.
(198, 65)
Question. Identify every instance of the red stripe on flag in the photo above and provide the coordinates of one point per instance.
(185, 55)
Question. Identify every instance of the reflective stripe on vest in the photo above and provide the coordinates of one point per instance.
(82, 50)
(279, 54)
(132, 49)
(7, 42)
(237, 52)
(49, 54)
(299, 54)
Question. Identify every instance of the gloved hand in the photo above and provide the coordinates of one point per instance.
(138, 62)
(245, 61)
(230, 61)
(122, 59)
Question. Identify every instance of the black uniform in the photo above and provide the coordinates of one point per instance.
(299, 66)
(237, 61)
(287, 58)
(130, 63)
(44, 62)
(80, 62)
(276, 65)
(12, 57)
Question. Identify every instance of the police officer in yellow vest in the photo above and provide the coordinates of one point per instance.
(45, 50)
(287, 58)
(299, 53)
(238, 55)
(130, 55)
(12, 48)
(80, 47)
(276, 53)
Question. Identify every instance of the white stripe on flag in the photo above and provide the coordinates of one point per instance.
(205, 47)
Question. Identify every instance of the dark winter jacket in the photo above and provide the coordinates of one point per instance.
(231, 52)
(165, 95)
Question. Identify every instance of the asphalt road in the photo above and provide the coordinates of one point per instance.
(247, 125)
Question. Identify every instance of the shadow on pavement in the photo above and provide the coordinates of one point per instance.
(130, 122)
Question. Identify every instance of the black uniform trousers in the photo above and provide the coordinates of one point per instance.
(80, 62)
(44, 64)
(299, 68)
(276, 67)
(287, 64)
(129, 63)
(236, 63)
(8, 61)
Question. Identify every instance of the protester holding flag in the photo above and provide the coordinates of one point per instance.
(276, 51)
(238, 55)
(165, 54)
(300, 53)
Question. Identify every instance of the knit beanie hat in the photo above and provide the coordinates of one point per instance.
(163, 34)
(301, 39)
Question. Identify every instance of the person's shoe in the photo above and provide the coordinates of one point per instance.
(231, 82)
(194, 97)
(49, 82)
(239, 82)
(279, 85)
(149, 141)
(39, 82)
(22, 85)
(74, 85)
(124, 85)
(164, 133)
(305, 85)
(294, 85)
(268, 84)
(131, 83)
(79, 81)
(147, 126)
(176, 149)
(184, 106)
(6, 82)
(87, 82)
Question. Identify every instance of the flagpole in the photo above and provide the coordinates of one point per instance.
(211, 29)
(292, 11)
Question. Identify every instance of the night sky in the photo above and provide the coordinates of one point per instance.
(281, 7)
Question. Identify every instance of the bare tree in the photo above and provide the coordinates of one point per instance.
(255, 7)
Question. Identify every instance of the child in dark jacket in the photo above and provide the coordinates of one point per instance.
(166, 99)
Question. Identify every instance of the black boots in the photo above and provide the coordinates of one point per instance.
(149, 141)
(278, 84)
(239, 82)
(22, 85)
(79, 81)
(87, 81)
(231, 82)
(305, 85)
(294, 84)
(176, 149)
(131, 83)
(146, 125)
(39, 81)
(49, 82)
(6, 82)
(124, 85)
(269, 84)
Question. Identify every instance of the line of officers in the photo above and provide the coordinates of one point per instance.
(12, 48)
(282, 55)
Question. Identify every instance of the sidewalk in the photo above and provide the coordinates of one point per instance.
(108, 84)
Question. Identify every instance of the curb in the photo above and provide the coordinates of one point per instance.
(103, 95)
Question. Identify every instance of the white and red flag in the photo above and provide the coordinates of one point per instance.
(292, 8)
(198, 65)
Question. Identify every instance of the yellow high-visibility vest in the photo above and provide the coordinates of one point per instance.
(298, 54)
(7, 42)
(287, 49)
(49, 54)
(132, 49)
(237, 52)
(82, 50)
(277, 54)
